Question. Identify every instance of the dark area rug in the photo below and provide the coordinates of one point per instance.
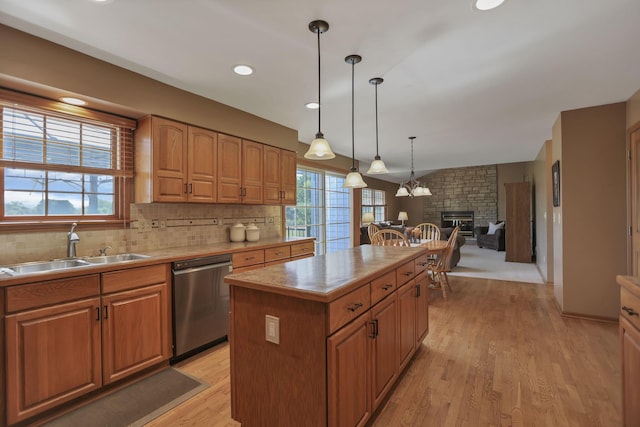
(136, 404)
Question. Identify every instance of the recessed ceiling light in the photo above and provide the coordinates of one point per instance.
(312, 105)
(243, 70)
(486, 4)
(73, 101)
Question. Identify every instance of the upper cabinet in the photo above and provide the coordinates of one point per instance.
(279, 176)
(176, 162)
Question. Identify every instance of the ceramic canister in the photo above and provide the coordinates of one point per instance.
(253, 233)
(237, 232)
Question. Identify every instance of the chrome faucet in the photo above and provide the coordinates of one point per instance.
(72, 239)
(103, 251)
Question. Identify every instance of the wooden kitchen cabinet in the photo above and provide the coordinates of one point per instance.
(630, 349)
(53, 352)
(349, 376)
(135, 331)
(174, 162)
(279, 176)
(384, 354)
(422, 307)
(406, 322)
(240, 166)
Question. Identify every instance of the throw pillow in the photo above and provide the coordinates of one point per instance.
(493, 227)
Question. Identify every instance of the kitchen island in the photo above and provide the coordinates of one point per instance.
(320, 341)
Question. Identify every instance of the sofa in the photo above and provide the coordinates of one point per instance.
(444, 235)
(492, 241)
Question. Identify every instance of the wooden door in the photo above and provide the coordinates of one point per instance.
(384, 354)
(53, 356)
(288, 179)
(169, 160)
(348, 374)
(203, 155)
(422, 307)
(406, 323)
(634, 141)
(630, 347)
(518, 222)
(135, 331)
(271, 163)
(252, 192)
(229, 169)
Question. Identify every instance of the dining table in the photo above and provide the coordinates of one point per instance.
(433, 247)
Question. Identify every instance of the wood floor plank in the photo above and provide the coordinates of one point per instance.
(497, 354)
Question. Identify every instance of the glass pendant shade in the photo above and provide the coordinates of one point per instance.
(402, 192)
(377, 166)
(412, 187)
(354, 180)
(319, 149)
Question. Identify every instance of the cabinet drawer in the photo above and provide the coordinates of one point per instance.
(421, 263)
(631, 302)
(134, 278)
(405, 273)
(383, 286)
(273, 254)
(40, 294)
(346, 308)
(305, 248)
(243, 259)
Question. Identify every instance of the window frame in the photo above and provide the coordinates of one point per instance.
(372, 207)
(121, 167)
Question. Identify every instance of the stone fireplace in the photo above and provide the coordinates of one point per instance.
(462, 219)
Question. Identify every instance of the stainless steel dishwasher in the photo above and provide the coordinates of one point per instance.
(200, 304)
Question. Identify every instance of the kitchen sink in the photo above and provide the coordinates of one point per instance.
(108, 259)
(41, 266)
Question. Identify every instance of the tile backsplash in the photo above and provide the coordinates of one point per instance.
(153, 226)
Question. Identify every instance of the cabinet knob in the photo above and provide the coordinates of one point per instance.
(630, 311)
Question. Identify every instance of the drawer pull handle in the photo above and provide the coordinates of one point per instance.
(630, 311)
(279, 253)
(387, 287)
(354, 307)
(249, 258)
(423, 263)
(408, 273)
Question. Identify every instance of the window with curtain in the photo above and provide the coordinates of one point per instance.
(323, 210)
(374, 201)
(58, 165)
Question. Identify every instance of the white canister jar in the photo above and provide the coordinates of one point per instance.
(237, 232)
(253, 233)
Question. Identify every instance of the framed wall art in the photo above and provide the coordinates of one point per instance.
(555, 179)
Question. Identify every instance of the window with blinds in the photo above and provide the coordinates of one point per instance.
(60, 161)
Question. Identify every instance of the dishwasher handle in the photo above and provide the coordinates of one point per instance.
(201, 268)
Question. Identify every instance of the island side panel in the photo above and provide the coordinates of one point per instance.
(265, 375)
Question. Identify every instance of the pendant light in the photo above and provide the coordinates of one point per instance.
(319, 148)
(412, 187)
(354, 179)
(377, 166)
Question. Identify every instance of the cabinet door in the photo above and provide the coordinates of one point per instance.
(169, 160)
(422, 307)
(135, 331)
(406, 322)
(203, 155)
(348, 375)
(229, 169)
(272, 191)
(384, 356)
(252, 154)
(53, 356)
(630, 348)
(288, 178)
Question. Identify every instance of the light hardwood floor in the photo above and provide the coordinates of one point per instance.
(497, 354)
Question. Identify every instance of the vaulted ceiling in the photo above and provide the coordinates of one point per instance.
(473, 87)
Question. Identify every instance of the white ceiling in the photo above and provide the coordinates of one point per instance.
(473, 87)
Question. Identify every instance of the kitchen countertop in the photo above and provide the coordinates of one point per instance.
(155, 257)
(325, 277)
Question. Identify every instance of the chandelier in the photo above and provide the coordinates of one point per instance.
(412, 187)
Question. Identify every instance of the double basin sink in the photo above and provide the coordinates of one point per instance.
(60, 264)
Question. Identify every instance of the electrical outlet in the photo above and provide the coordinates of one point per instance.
(272, 329)
(163, 223)
(214, 221)
(155, 223)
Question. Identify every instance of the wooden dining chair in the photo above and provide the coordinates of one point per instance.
(389, 238)
(371, 230)
(442, 265)
(426, 230)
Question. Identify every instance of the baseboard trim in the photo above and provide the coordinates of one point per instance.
(588, 317)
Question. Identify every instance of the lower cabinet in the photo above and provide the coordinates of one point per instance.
(422, 307)
(60, 347)
(406, 322)
(630, 352)
(384, 354)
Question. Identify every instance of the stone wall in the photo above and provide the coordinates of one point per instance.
(462, 189)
